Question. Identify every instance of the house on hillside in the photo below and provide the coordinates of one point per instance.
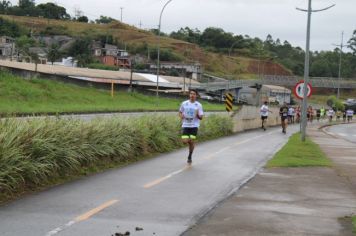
(111, 55)
(7, 47)
(41, 53)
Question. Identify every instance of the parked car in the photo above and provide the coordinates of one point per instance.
(207, 97)
(350, 104)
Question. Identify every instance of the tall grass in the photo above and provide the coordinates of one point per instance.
(34, 152)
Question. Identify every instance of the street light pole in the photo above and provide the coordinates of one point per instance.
(158, 47)
(341, 46)
(338, 82)
(121, 8)
(306, 68)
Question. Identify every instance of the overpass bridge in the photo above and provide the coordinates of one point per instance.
(287, 81)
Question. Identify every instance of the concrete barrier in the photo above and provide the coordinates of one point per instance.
(248, 117)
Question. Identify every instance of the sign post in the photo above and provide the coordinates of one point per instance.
(299, 90)
(229, 102)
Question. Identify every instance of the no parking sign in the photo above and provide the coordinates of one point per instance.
(299, 90)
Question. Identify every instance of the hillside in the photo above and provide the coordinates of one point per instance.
(217, 64)
(44, 96)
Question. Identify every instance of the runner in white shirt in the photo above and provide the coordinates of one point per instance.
(264, 114)
(349, 114)
(331, 113)
(190, 112)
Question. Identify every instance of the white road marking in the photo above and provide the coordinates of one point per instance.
(82, 217)
(164, 178)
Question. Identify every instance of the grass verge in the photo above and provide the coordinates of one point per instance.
(36, 153)
(299, 154)
(354, 224)
(20, 96)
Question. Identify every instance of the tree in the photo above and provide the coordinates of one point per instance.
(26, 4)
(217, 37)
(81, 51)
(24, 43)
(352, 42)
(52, 11)
(54, 53)
(9, 28)
(4, 6)
(104, 20)
(83, 19)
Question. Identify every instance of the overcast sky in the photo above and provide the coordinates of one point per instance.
(255, 18)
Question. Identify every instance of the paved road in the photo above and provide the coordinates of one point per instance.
(162, 195)
(346, 131)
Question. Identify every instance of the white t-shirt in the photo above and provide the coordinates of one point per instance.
(331, 112)
(350, 112)
(190, 111)
(264, 110)
(291, 111)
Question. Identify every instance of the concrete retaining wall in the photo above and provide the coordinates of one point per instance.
(248, 117)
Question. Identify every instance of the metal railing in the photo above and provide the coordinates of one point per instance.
(289, 81)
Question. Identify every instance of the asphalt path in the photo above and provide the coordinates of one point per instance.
(345, 131)
(162, 196)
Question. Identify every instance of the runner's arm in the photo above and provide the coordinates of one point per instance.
(200, 113)
(181, 112)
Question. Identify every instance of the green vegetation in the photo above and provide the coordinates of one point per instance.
(323, 64)
(299, 154)
(18, 95)
(335, 103)
(354, 224)
(38, 152)
(100, 66)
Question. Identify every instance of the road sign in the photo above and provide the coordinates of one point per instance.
(299, 90)
(229, 101)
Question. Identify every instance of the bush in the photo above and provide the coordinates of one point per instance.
(335, 103)
(102, 66)
(36, 152)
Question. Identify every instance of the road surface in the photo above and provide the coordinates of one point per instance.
(163, 196)
(345, 131)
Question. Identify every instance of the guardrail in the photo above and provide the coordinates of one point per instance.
(280, 81)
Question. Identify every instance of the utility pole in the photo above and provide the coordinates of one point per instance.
(306, 68)
(121, 8)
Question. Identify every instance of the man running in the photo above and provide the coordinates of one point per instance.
(349, 114)
(190, 112)
(264, 114)
(318, 114)
(283, 112)
(331, 113)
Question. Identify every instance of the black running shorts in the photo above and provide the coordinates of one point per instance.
(189, 133)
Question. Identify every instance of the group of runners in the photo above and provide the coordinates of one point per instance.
(191, 113)
(346, 115)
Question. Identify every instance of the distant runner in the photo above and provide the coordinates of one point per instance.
(331, 113)
(291, 114)
(344, 115)
(190, 112)
(338, 115)
(318, 114)
(283, 112)
(264, 114)
(349, 114)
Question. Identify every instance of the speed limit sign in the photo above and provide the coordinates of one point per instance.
(299, 90)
